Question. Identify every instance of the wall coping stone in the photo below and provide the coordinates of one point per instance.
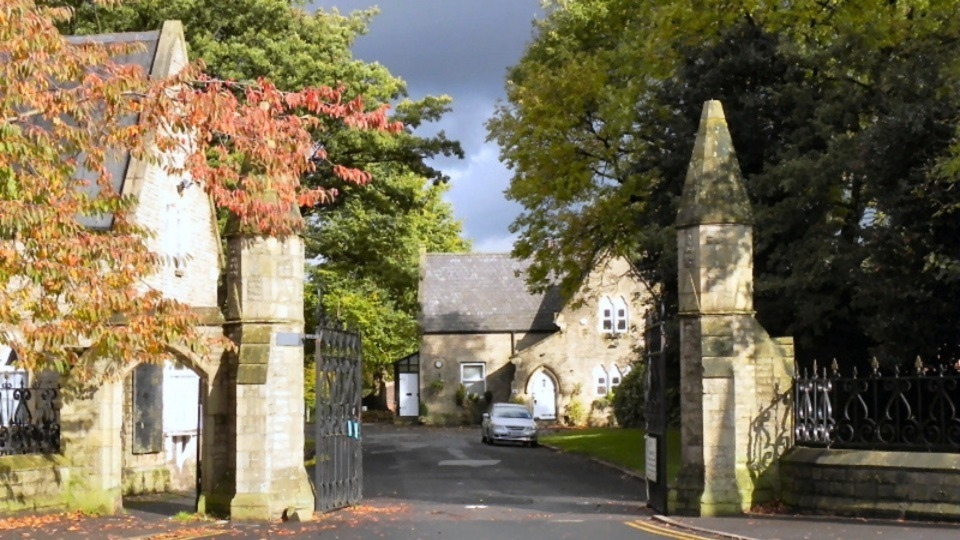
(910, 461)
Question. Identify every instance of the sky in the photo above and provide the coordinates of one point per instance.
(460, 48)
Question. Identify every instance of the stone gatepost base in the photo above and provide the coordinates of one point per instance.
(293, 499)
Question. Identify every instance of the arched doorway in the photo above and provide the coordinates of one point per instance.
(543, 390)
(161, 435)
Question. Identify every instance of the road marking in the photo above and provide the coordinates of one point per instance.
(468, 462)
(475, 506)
(662, 531)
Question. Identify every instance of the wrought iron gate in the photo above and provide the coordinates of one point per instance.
(338, 476)
(656, 413)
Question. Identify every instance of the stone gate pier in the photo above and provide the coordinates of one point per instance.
(735, 380)
(265, 478)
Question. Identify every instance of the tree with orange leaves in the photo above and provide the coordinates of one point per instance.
(66, 108)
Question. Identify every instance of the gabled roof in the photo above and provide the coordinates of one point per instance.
(152, 53)
(482, 292)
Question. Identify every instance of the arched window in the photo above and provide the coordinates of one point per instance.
(620, 315)
(606, 315)
(600, 381)
(614, 315)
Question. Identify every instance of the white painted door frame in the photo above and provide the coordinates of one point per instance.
(543, 390)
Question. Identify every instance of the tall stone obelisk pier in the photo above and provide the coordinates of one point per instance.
(264, 299)
(734, 379)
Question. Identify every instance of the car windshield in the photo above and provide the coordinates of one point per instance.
(511, 413)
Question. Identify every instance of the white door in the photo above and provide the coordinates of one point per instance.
(544, 396)
(409, 399)
(181, 394)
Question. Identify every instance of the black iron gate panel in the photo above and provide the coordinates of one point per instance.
(338, 476)
(656, 413)
(148, 409)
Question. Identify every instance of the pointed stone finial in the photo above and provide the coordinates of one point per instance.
(713, 191)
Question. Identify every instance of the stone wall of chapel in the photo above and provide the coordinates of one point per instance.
(581, 345)
(493, 350)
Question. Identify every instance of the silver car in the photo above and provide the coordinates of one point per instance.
(508, 422)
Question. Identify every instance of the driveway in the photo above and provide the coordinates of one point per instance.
(444, 483)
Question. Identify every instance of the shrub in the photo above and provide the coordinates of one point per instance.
(575, 412)
(461, 396)
(629, 400)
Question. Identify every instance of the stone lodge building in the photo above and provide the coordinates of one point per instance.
(239, 411)
(481, 328)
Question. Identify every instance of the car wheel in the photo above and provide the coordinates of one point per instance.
(484, 439)
(534, 444)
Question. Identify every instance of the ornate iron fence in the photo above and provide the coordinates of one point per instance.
(29, 417)
(914, 410)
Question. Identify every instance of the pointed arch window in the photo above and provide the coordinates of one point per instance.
(600, 381)
(614, 315)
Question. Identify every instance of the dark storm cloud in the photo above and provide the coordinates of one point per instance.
(445, 46)
(461, 48)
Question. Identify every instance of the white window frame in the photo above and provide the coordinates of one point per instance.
(621, 315)
(605, 315)
(469, 382)
(601, 381)
(613, 315)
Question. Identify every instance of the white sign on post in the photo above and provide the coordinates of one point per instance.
(651, 457)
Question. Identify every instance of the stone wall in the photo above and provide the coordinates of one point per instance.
(581, 346)
(438, 385)
(871, 483)
(35, 483)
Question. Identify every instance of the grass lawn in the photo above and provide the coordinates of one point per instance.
(621, 446)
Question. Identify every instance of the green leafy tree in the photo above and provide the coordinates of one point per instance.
(845, 127)
(370, 246)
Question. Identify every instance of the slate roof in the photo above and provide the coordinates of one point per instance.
(482, 292)
(117, 162)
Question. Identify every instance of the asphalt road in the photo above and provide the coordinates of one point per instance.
(422, 483)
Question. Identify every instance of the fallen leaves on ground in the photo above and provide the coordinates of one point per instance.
(38, 521)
